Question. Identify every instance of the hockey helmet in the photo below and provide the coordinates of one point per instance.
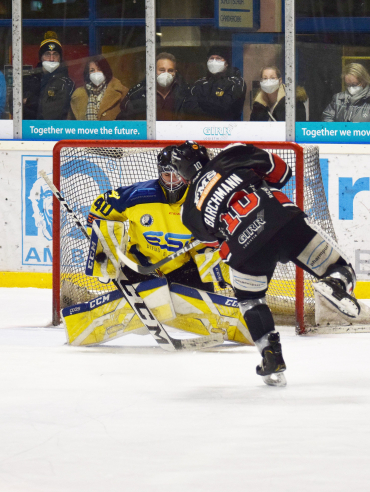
(189, 158)
(172, 184)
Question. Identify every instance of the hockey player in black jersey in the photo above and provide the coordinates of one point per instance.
(234, 200)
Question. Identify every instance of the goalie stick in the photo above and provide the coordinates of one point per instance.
(136, 302)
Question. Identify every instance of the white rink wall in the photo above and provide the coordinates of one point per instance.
(25, 241)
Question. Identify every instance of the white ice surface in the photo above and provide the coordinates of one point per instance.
(129, 417)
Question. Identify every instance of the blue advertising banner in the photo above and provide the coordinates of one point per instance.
(328, 132)
(73, 129)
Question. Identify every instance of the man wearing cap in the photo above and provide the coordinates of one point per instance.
(220, 94)
(47, 91)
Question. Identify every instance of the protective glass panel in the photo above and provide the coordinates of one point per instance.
(334, 8)
(78, 76)
(121, 9)
(52, 9)
(209, 70)
(333, 64)
(6, 83)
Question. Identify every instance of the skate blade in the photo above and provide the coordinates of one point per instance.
(346, 306)
(276, 379)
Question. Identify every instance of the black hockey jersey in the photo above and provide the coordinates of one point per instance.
(235, 198)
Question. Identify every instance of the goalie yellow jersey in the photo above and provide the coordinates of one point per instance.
(155, 226)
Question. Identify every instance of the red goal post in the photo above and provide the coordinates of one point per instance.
(82, 169)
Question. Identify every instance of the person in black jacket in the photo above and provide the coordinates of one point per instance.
(47, 90)
(235, 201)
(269, 104)
(221, 94)
(171, 93)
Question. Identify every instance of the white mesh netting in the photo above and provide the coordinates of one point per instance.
(86, 172)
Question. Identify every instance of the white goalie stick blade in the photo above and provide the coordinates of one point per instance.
(341, 300)
(276, 379)
(202, 342)
(152, 268)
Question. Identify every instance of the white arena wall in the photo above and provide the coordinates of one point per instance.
(26, 244)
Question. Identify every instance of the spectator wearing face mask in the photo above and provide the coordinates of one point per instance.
(354, 103)
(220, 94)
(101, 95)
(171, 92)
(269, 103)
(47, 90)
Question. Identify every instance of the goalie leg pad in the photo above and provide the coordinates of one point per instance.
(257, 316)
(205, 313)
(110, 316)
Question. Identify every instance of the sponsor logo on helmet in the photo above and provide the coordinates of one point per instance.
(146, 220)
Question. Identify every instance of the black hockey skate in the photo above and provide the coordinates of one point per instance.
(272, 365)
(333, 290)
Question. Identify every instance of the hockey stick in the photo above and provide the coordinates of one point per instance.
(137, 303)
(151, 268)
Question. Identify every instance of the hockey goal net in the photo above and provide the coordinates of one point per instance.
(84, 169)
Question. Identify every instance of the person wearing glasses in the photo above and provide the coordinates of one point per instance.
(354, 103)
(269, 103)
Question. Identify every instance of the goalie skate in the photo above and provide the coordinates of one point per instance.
(333, 291)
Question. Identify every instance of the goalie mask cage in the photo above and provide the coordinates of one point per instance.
(84, 169)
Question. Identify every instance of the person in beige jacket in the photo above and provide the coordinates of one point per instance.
(101, 96)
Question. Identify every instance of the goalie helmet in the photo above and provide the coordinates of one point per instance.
(172, 183)
(189, 158)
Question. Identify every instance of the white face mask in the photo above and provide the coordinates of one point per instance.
(165, 79)
(354, 90)
(216, 66)
(50, 66)
(269, 85)
(97, 78)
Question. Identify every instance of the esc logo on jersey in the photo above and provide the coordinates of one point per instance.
(171, 242)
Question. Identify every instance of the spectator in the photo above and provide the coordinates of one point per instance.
(220, 94)
(269, 104)
(47, 91)
(171, 92)
(354, 103)
(101, 96)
